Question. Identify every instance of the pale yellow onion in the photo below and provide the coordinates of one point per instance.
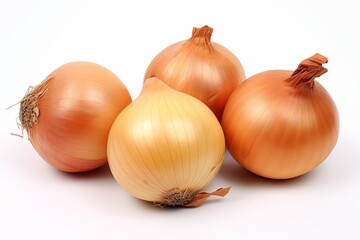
(68, 116)
(281, 124)
(199, 67)
(165, 146)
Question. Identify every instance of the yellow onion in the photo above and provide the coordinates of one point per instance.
(69, 115)
(281, 124)
(165, 146)
(201, 68)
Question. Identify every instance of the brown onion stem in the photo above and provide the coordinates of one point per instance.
(201, 37)
(307, 71)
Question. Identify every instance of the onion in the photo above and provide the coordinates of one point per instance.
(281, 124)
(199, 67)
(69, 115)
(166, 146)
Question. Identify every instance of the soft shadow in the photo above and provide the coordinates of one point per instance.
(151, 207)
(233, 173)
(102, 172)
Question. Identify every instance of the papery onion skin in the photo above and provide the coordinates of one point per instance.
(165, 146)
(278, 127)
(79, 102)
(199, 67)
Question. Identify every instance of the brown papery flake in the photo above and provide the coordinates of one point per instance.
(189, 199)
(201, 37)
(201, 197)
(307, 71)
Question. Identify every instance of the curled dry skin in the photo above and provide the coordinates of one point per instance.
(189, 198)
(201, 37)
(307, 71)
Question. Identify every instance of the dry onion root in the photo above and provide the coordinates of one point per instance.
(29, 110)
(166, 146)
(68, 116)
(281, 124)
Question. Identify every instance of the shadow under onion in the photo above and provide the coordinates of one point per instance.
(236, 175)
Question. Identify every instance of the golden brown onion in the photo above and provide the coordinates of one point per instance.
(69, 115)
(199, 67)
(282, 124)
(166, 146)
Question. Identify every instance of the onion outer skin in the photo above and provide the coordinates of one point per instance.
(201, 68)
(278, 128)
(165, 146)
(80, 103)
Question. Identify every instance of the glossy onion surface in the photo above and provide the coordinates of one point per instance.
(165, 146)
(75, 107)
(277, 129)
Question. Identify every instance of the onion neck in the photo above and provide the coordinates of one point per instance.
(201, 37)
(309, 69)
(153, 84)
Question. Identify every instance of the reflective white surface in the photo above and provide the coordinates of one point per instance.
(38, 202)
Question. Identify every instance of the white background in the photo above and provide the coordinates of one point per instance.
(38, 202)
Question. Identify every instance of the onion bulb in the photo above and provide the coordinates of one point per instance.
(282, 124)
(69, 115)
(165, 146)
(199, 67)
